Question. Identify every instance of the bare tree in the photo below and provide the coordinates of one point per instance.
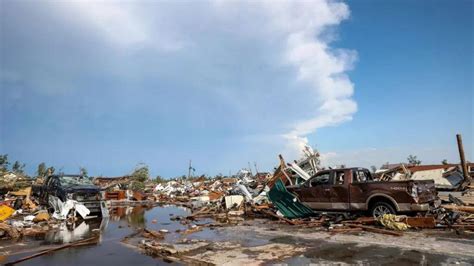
(413, 160)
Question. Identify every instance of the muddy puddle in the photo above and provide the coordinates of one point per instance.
(123, 221)
(324, 252)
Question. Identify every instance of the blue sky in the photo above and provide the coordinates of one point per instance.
(107, 85)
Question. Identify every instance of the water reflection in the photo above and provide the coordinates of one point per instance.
(134, 216)
(121, 223)
(66, 233)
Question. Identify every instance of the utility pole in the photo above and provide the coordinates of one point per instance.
(467, 177)
(250, 169)
(189, 170)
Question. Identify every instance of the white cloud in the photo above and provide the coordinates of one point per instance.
(125, 24)
(324, 69)
(321, 69)
(268, 66)
(116, 20)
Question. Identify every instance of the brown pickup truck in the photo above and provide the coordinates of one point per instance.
(353, 189)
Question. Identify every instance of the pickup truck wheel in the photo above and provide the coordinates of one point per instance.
(381, 208)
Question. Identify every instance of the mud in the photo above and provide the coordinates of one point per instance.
(253, 242)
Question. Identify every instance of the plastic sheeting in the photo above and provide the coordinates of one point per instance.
(61, 209)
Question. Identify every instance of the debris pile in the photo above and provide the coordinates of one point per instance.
(21, 215)
(299, 194)
(445, 176)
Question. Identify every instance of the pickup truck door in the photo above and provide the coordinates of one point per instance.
(359, 191)
(339, 189)
(316, 192)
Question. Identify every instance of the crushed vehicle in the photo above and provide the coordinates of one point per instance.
(71, 187)
(354, 189)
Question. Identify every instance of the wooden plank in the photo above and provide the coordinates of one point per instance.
(276, 216)
(421, 222)
(453, 207)
(87, 241)
(377, 230)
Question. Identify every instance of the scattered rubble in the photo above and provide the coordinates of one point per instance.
(231, 201)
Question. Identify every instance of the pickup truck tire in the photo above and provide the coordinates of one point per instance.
(380, 208)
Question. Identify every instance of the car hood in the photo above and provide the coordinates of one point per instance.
(82, 188)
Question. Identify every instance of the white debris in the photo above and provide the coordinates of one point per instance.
(233, 201)
(61, 210)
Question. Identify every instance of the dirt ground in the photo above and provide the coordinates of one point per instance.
(252, 242)
(423, 247)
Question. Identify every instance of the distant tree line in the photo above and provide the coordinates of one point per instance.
(17, 167)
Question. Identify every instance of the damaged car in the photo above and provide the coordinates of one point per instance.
(76, 188)
(354, 189)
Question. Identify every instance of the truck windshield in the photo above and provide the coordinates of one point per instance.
(74, 180)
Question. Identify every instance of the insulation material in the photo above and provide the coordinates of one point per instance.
(234, 200)
(393, 222)
(435, 174)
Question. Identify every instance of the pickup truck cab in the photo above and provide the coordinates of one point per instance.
(74, 187)
(354, 189)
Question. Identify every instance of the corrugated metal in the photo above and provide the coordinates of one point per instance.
(285, 203)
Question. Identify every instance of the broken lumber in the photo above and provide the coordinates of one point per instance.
(345, 230)
(10, 230)
(192, 230)
(453, 207)
(87, 241)
(152, 233)
(421, 222)
(376, 230)
(278, 217)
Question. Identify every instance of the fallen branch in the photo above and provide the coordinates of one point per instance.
(87, 241)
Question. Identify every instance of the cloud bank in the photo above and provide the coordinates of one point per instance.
(244, 74)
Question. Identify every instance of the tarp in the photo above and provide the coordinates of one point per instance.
(286, 202)
(5, 212)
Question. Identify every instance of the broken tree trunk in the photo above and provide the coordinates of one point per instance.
(467, 177)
